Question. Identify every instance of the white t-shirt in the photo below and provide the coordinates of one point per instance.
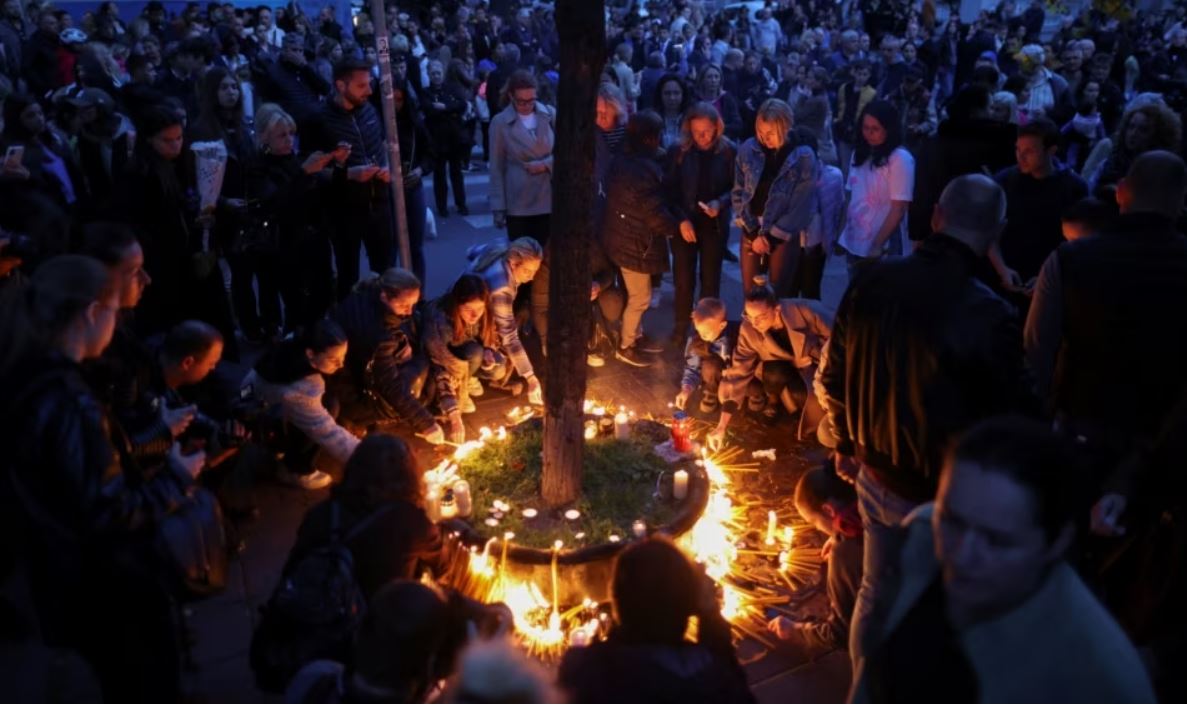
(871, 191)
(528, 121)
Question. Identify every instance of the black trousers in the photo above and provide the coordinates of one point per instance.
(306, 280)
(709, 250)
(533, 226)
(367, 225)
(452, 157)
(358, 406)
(777, 375)
(810, 273)
(262, 313)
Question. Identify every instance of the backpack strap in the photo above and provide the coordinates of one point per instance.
(366, 522)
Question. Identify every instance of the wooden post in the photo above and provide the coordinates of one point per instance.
(581, 25)
(388, 101)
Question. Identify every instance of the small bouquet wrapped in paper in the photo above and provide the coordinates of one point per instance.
(210, 166)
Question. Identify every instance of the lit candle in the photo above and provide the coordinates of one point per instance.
(788, 535)
(680, 484)
(599, 411)
(615, 538)
(461, 495)
(622, 426)
(579, 637)
(529, 513)
(491, 521)
(771, 528)
(587, 406)
(572, 515)
(448, 505)
(639, 528)
(591, 430)
(556, 549)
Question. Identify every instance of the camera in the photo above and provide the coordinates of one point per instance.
(247, 420)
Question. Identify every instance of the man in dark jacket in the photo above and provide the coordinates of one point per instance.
(358, 195)
(293, 83)
(1038, 191)
(385, 371)
(920, 351)
(968, 142)
(1126, 285)
(180, 80)
(638, 221)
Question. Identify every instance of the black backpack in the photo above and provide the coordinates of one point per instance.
(314, 611)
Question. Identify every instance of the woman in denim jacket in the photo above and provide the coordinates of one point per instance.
(774, 197)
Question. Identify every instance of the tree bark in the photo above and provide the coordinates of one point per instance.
(580, 25)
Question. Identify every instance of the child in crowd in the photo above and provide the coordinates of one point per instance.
(707, 353)
(829, 504)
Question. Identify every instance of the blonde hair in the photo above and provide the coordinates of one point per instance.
(775, 112)
(270, 116)
(516, 252)
(612, 95)
(700, 111)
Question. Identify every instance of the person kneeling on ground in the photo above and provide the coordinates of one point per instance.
(460, 341)
(829, 504)
(385, 373)
(779, 348)
(707, 353)
(407, 644)
(655, 589)
(987, 609)
(290, 378)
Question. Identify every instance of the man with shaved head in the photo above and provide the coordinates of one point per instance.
(921, 350)
(1107, 332)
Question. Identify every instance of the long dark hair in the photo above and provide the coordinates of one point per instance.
(888, 116)
(654, 591)
(381, 469)
(467, 288)
(685, 93)
(211, 122)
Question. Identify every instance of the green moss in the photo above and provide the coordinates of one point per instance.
(618, 484)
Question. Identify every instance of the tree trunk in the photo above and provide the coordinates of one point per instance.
(580, 24)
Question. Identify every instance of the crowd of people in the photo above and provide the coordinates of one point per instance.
(184, 206)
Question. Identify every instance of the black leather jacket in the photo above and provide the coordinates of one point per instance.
(84, 516)
(921, 350)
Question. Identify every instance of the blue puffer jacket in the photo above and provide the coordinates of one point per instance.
(792, 200)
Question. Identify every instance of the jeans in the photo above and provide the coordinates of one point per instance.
(709, 249)
(638, 299)
(414, 206)
(882, 515)
(780, 266)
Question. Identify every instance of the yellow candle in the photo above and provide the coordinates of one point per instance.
(771, 527)
(680, 484)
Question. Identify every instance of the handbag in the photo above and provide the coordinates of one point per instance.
(193, 543)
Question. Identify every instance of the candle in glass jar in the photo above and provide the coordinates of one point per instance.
(680, 484)
(433, 503)
(461, 495)
(448, 505)
(639, 528)
(771, 528)
(622, 426)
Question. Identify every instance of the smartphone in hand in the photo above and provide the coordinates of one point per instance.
(13, 156)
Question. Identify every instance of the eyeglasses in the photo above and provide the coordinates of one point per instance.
(523, 103)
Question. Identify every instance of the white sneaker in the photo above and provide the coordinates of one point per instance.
(474, 387)
(595, 360)
(315, 480)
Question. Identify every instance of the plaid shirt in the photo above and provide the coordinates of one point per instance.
(502, 309)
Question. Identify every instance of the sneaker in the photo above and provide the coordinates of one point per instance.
(645, 343)
(632, 356)
(474, 387)
(466, 406)
(709, 404)
(595, 360)
(315, 480)
(729, 256)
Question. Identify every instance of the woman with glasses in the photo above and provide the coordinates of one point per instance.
(521, 138)
(779, 348)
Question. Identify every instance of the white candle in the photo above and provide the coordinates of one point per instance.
(433, 503)
(572, 515)
(639, 528)
(529, 513)
(591, 430)
(771, 527)
(788, 536)
(461, 495)
(622, 426)
(680, 484)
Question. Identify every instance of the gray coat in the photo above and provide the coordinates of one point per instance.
(512, 188)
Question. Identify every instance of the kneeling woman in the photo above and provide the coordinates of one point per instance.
(290, 377)
(460, 341)
(504, 267)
